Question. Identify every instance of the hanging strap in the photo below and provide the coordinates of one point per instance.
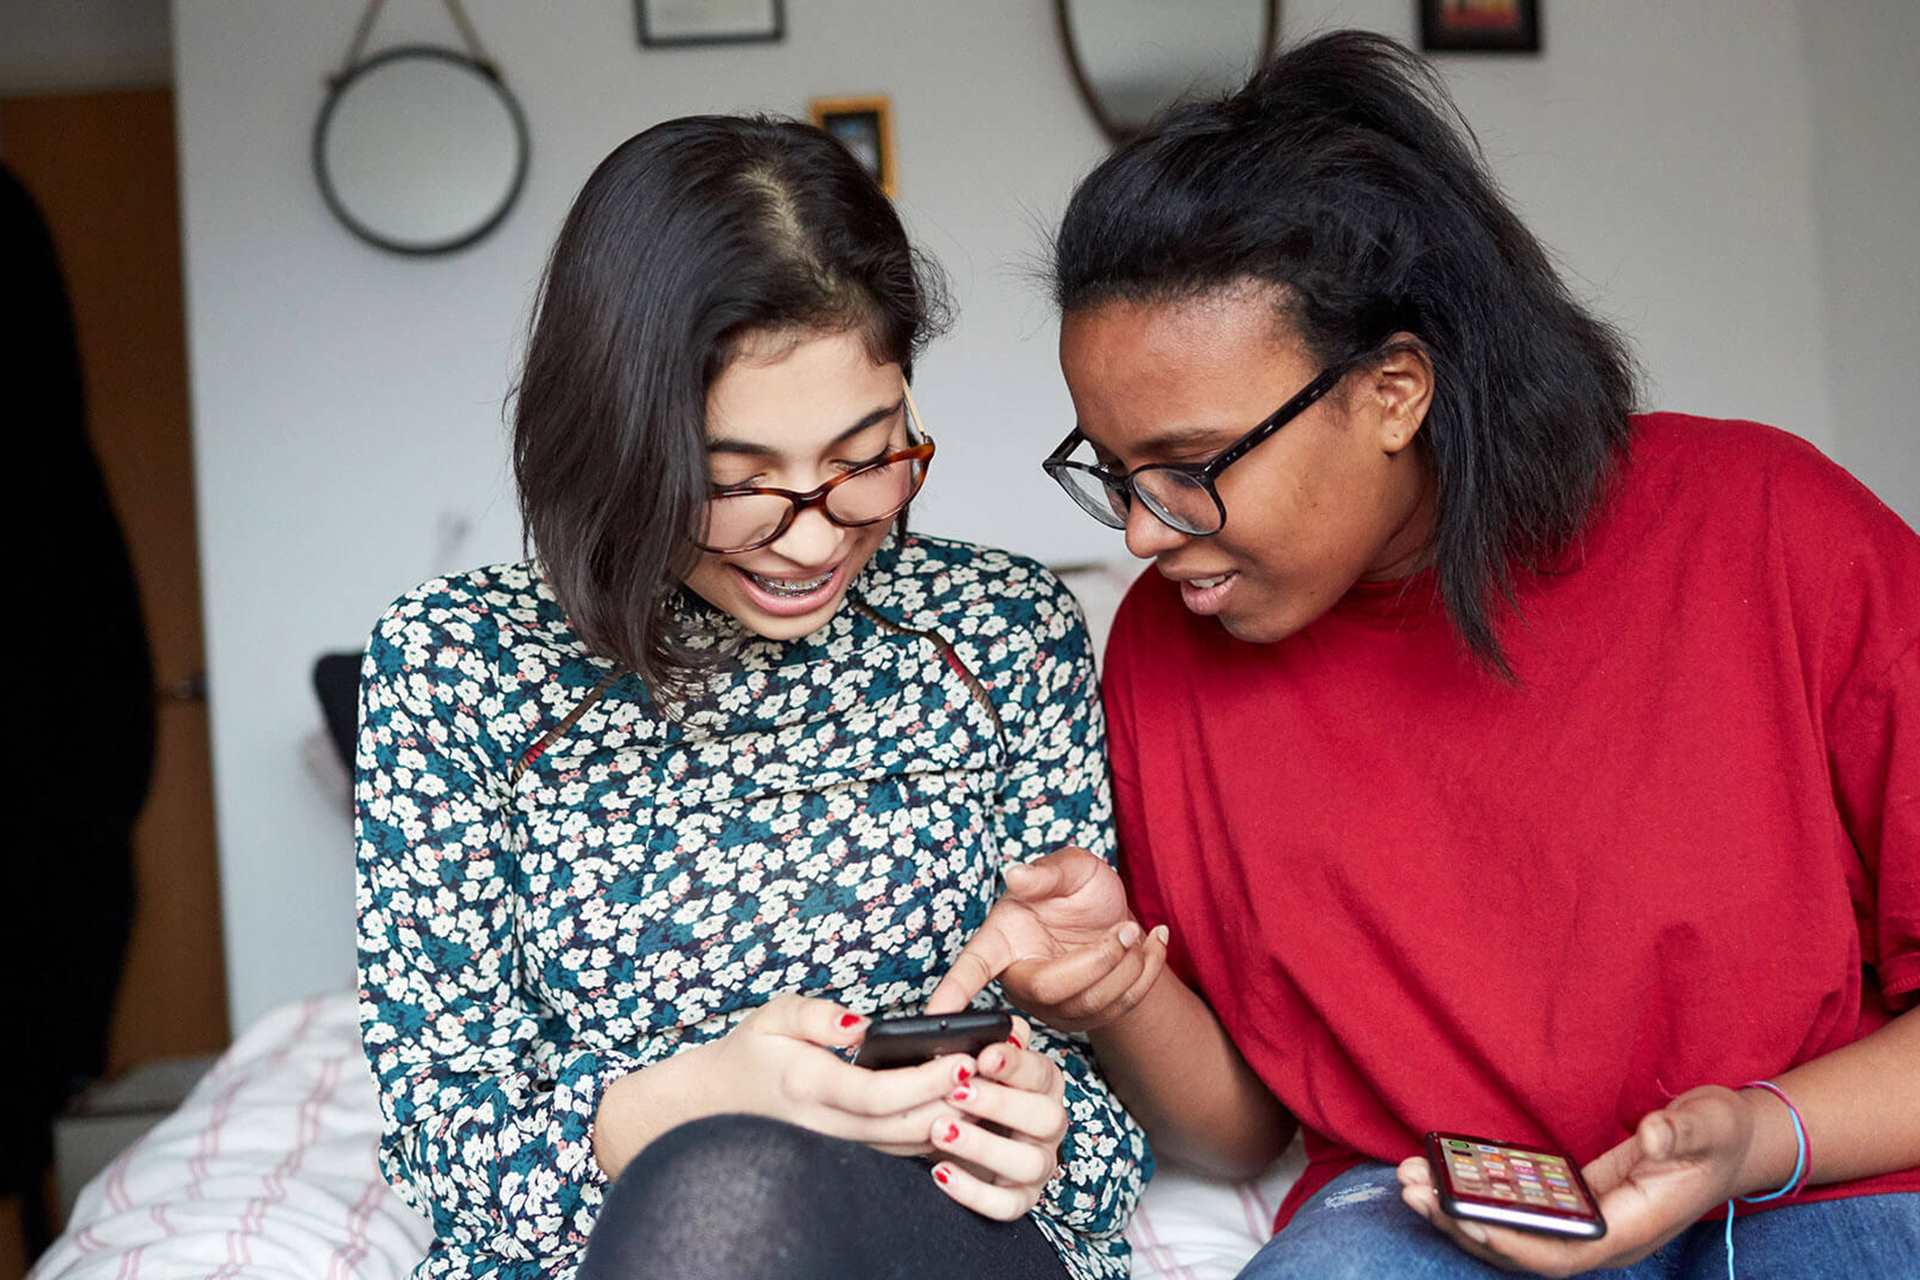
(455, 10)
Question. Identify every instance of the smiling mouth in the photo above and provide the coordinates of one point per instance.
(792, 597)
(1208, 596)
(793, 588)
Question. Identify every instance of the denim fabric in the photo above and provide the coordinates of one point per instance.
(1357, 1228)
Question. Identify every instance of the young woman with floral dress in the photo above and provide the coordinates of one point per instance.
(651, 825)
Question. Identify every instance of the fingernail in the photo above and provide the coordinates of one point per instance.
(848, 1020)
(952, 1134)
(1129, 934)
(1015, 1042)
(940, 1174)
(961, 1074)
(1474, 1232)
(961, 1094)
(1161, 932)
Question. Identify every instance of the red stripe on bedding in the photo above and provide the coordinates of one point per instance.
(208, 1144)
(228, 1065)
(309, 1008)
(1259, 1223)
(1163, 1259)
(347, 1257)
(117, 1197)
(1267, 1212)
(230, 1266)
(273, 1184)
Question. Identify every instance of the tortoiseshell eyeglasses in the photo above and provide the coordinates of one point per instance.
(746, 517)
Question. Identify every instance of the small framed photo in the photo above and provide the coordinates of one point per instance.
(1480, 26)
(863, 126)
(668, 24)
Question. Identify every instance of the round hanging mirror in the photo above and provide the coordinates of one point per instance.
(420, 149)
(1134, 58)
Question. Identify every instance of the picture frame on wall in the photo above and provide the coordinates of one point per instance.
(1480, 26)
(863, 126)
(671, 24)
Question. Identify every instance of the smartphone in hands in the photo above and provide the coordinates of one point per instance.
(905, 1040)
(1509, 1186)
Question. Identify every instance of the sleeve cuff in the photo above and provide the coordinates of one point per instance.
(1900, 981)
(578, 1087)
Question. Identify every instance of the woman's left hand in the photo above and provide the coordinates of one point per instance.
(1682, 1162)
(1004, 1144)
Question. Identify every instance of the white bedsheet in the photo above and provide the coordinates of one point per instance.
(268, 1170)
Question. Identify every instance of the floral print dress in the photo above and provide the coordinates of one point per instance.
(559, 884)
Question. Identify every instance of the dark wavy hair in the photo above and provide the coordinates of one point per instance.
(1344, 174)
(689, 239)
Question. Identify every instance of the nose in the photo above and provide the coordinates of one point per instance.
(811, 540)
(1148, 536)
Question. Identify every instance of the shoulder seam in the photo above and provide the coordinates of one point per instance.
(1877, 683)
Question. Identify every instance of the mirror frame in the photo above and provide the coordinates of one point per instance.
(487, 73)
(1269, 43)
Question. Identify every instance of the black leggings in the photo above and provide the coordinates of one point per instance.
(742, 1198)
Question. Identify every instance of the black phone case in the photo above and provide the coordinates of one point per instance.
(905, 1042)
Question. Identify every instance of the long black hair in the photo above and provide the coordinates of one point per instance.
(1344, 174)
(689, 239)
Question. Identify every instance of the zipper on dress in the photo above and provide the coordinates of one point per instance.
(939, 642)
(554, 734)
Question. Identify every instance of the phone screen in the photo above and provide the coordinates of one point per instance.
(1492, 1174)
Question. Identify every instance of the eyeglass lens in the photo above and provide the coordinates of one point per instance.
(1174, 497)
(738, 521)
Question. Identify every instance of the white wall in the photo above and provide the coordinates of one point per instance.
(1663, 151)
(71, 46)
(1866, 200)
(347, 404)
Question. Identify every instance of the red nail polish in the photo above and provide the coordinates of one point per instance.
(851, 1020)
(961, 1074)
(940, 1175)
(962, 1094)
(953, 1133)
(1015, 1042)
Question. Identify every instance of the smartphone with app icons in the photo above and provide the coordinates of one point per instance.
(1510, 1186)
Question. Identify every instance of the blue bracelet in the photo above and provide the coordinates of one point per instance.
(1793, 1183)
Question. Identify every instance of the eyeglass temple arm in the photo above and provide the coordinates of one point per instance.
(1328, 379)
(919, 424)
(1066, 446)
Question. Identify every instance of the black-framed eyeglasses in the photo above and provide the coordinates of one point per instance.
(747, 517)
(1181, 496)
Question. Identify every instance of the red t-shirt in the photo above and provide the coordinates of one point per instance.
(1684, 849)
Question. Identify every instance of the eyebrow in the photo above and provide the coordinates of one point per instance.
(1171, 440)
(752, 449)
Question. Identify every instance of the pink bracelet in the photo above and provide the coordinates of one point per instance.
(1804, 1164)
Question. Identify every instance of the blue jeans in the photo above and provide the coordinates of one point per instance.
(1357, 1228)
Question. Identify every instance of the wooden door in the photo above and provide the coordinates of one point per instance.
(102, 167)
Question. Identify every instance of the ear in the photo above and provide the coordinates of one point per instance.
(1399, 389)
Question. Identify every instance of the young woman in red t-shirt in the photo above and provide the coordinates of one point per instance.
(1487, 758)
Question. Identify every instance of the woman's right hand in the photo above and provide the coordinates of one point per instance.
(783, 1061)
(1063, 944)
